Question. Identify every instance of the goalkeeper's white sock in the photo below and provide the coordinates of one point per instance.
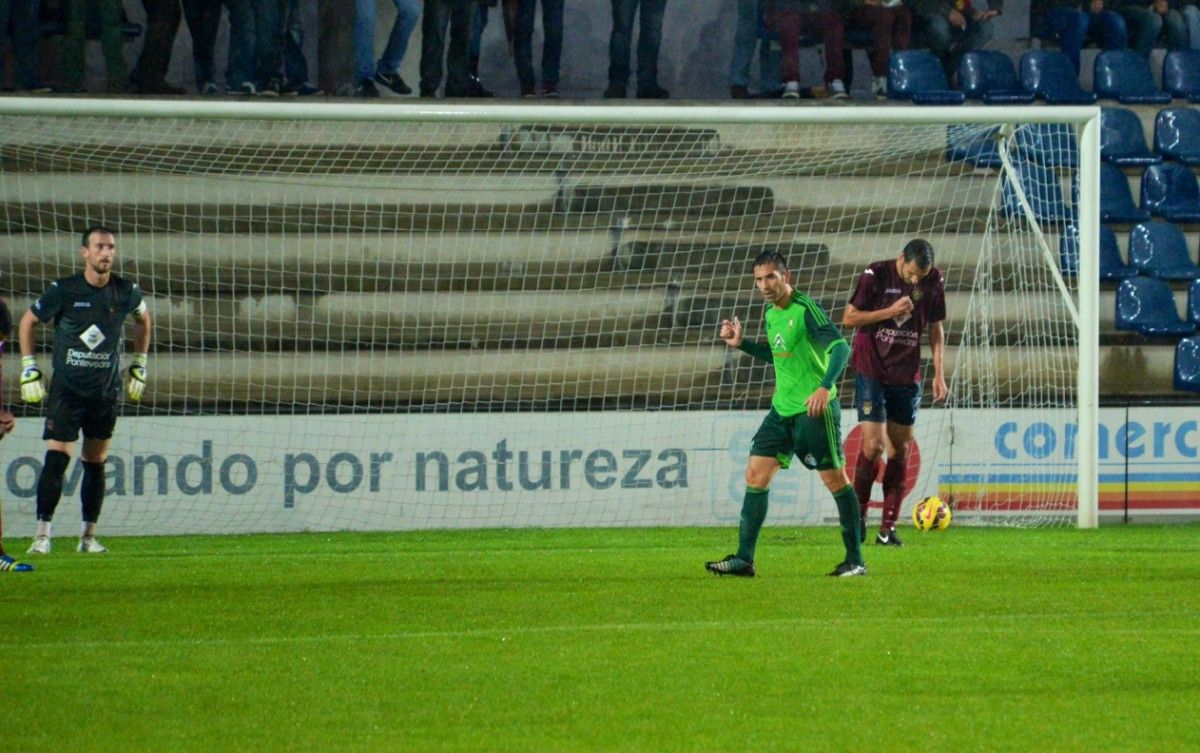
(43, 529)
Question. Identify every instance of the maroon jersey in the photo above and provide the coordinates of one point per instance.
(890, 351)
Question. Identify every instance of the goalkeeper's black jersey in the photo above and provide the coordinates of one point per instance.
(88, 323)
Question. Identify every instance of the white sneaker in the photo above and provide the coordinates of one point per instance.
(837, 89)
(879, 87)
(40, 545)
(89, 545)
(791, 90)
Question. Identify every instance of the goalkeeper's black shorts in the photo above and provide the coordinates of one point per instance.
(68, 412)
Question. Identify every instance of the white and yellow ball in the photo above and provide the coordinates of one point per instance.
(931, 514)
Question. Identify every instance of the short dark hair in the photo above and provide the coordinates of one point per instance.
(5, 320)
(87, 234)
(920, 251)
(773, 257)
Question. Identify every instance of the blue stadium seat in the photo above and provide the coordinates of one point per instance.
(1177, 134)
(1122, 141)
(1043, 190)
(1112, 266)
(1181, 74)
(1187, 364)
(918, 75)
(989, 75)
(1194, 303)
(1116, 200)
(1159, 249)
(1048, 143)
(969, 144)
(1050, 75)
(1125, 76)
(1170, 190)
(1147, 305)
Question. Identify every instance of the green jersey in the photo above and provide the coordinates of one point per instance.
(88, 331)
(800, 337)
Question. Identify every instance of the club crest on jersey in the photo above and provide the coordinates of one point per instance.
(779, 342)
(92, 337)
(916, 294)
(867, 405)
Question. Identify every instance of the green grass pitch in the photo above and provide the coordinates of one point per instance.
(606, 640)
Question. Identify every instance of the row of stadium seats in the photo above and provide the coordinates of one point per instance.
(989, 76)
(1176, 137)
(1156, 249)
(1147, 305)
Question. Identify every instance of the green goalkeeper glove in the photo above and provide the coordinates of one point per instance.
(135, 377)
(32, 390)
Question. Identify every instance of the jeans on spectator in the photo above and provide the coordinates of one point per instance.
(408, 12)
(203, 19)
(111, 42)
(1146, 26)
(1072, 27)
(1191, 18)
(478, 24)
(22, 17)
(162, 24)
(552, 37)
(949, 42)
(826, 25)
(649, 37)
(253, 42)
(440, 15)
(891, 29)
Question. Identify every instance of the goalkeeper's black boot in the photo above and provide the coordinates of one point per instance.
(888, 538)
(731, 565)
(847, 569)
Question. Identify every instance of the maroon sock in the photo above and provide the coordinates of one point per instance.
(893, 489)
(864, 478)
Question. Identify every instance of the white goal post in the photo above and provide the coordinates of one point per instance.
(376, 316)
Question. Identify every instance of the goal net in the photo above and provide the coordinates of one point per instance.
(398, 318)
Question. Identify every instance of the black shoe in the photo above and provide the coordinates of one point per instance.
(271, 88)
(654, 92)
(366, 89)
(737, 91)
(888, 538)
(393, 82)
(528, 90)
(475, 89)
(615, 91)
(731, 565)
(847, 570)
(152, 87)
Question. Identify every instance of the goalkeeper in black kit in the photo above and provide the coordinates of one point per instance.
(88, 310)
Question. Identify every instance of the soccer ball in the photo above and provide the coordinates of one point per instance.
(931, 514)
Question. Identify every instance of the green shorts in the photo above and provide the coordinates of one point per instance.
(816, 441)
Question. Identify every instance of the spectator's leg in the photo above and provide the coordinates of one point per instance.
(832, 31)
(458, 58)
(879, 22)
(73, 47)
(1191, 17)
(523, 45)
(1144, 26)
(408, 12)
(203, 18)
(1111, 30)
(112, 43)
(901, 28)
(1069, 28)
(162, 23)
(433, 44)
(26, 36)
(552, 41)
(291, 43)
(1175, 30)
(364, 40)
(241, 45)
(940, 37)
(744, 40)
(786, 24)
(479, 21)
(619, 41)
(650, 21)
(268, 54)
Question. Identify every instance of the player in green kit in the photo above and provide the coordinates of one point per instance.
(809, 354)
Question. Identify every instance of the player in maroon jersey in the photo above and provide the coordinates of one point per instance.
(7, 424)
(893, 302)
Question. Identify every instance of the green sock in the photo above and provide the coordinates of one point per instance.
(849, 516)
(754, 512)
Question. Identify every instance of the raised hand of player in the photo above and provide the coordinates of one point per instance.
(7, 422)
(32, 390)
(817, 402)
(731, 332)
(135, 378)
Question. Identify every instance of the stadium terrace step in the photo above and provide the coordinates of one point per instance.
(614, 139)
(674, 199)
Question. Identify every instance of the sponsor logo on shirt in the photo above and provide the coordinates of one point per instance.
(83, 304)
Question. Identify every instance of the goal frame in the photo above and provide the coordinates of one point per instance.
(1085, 121)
